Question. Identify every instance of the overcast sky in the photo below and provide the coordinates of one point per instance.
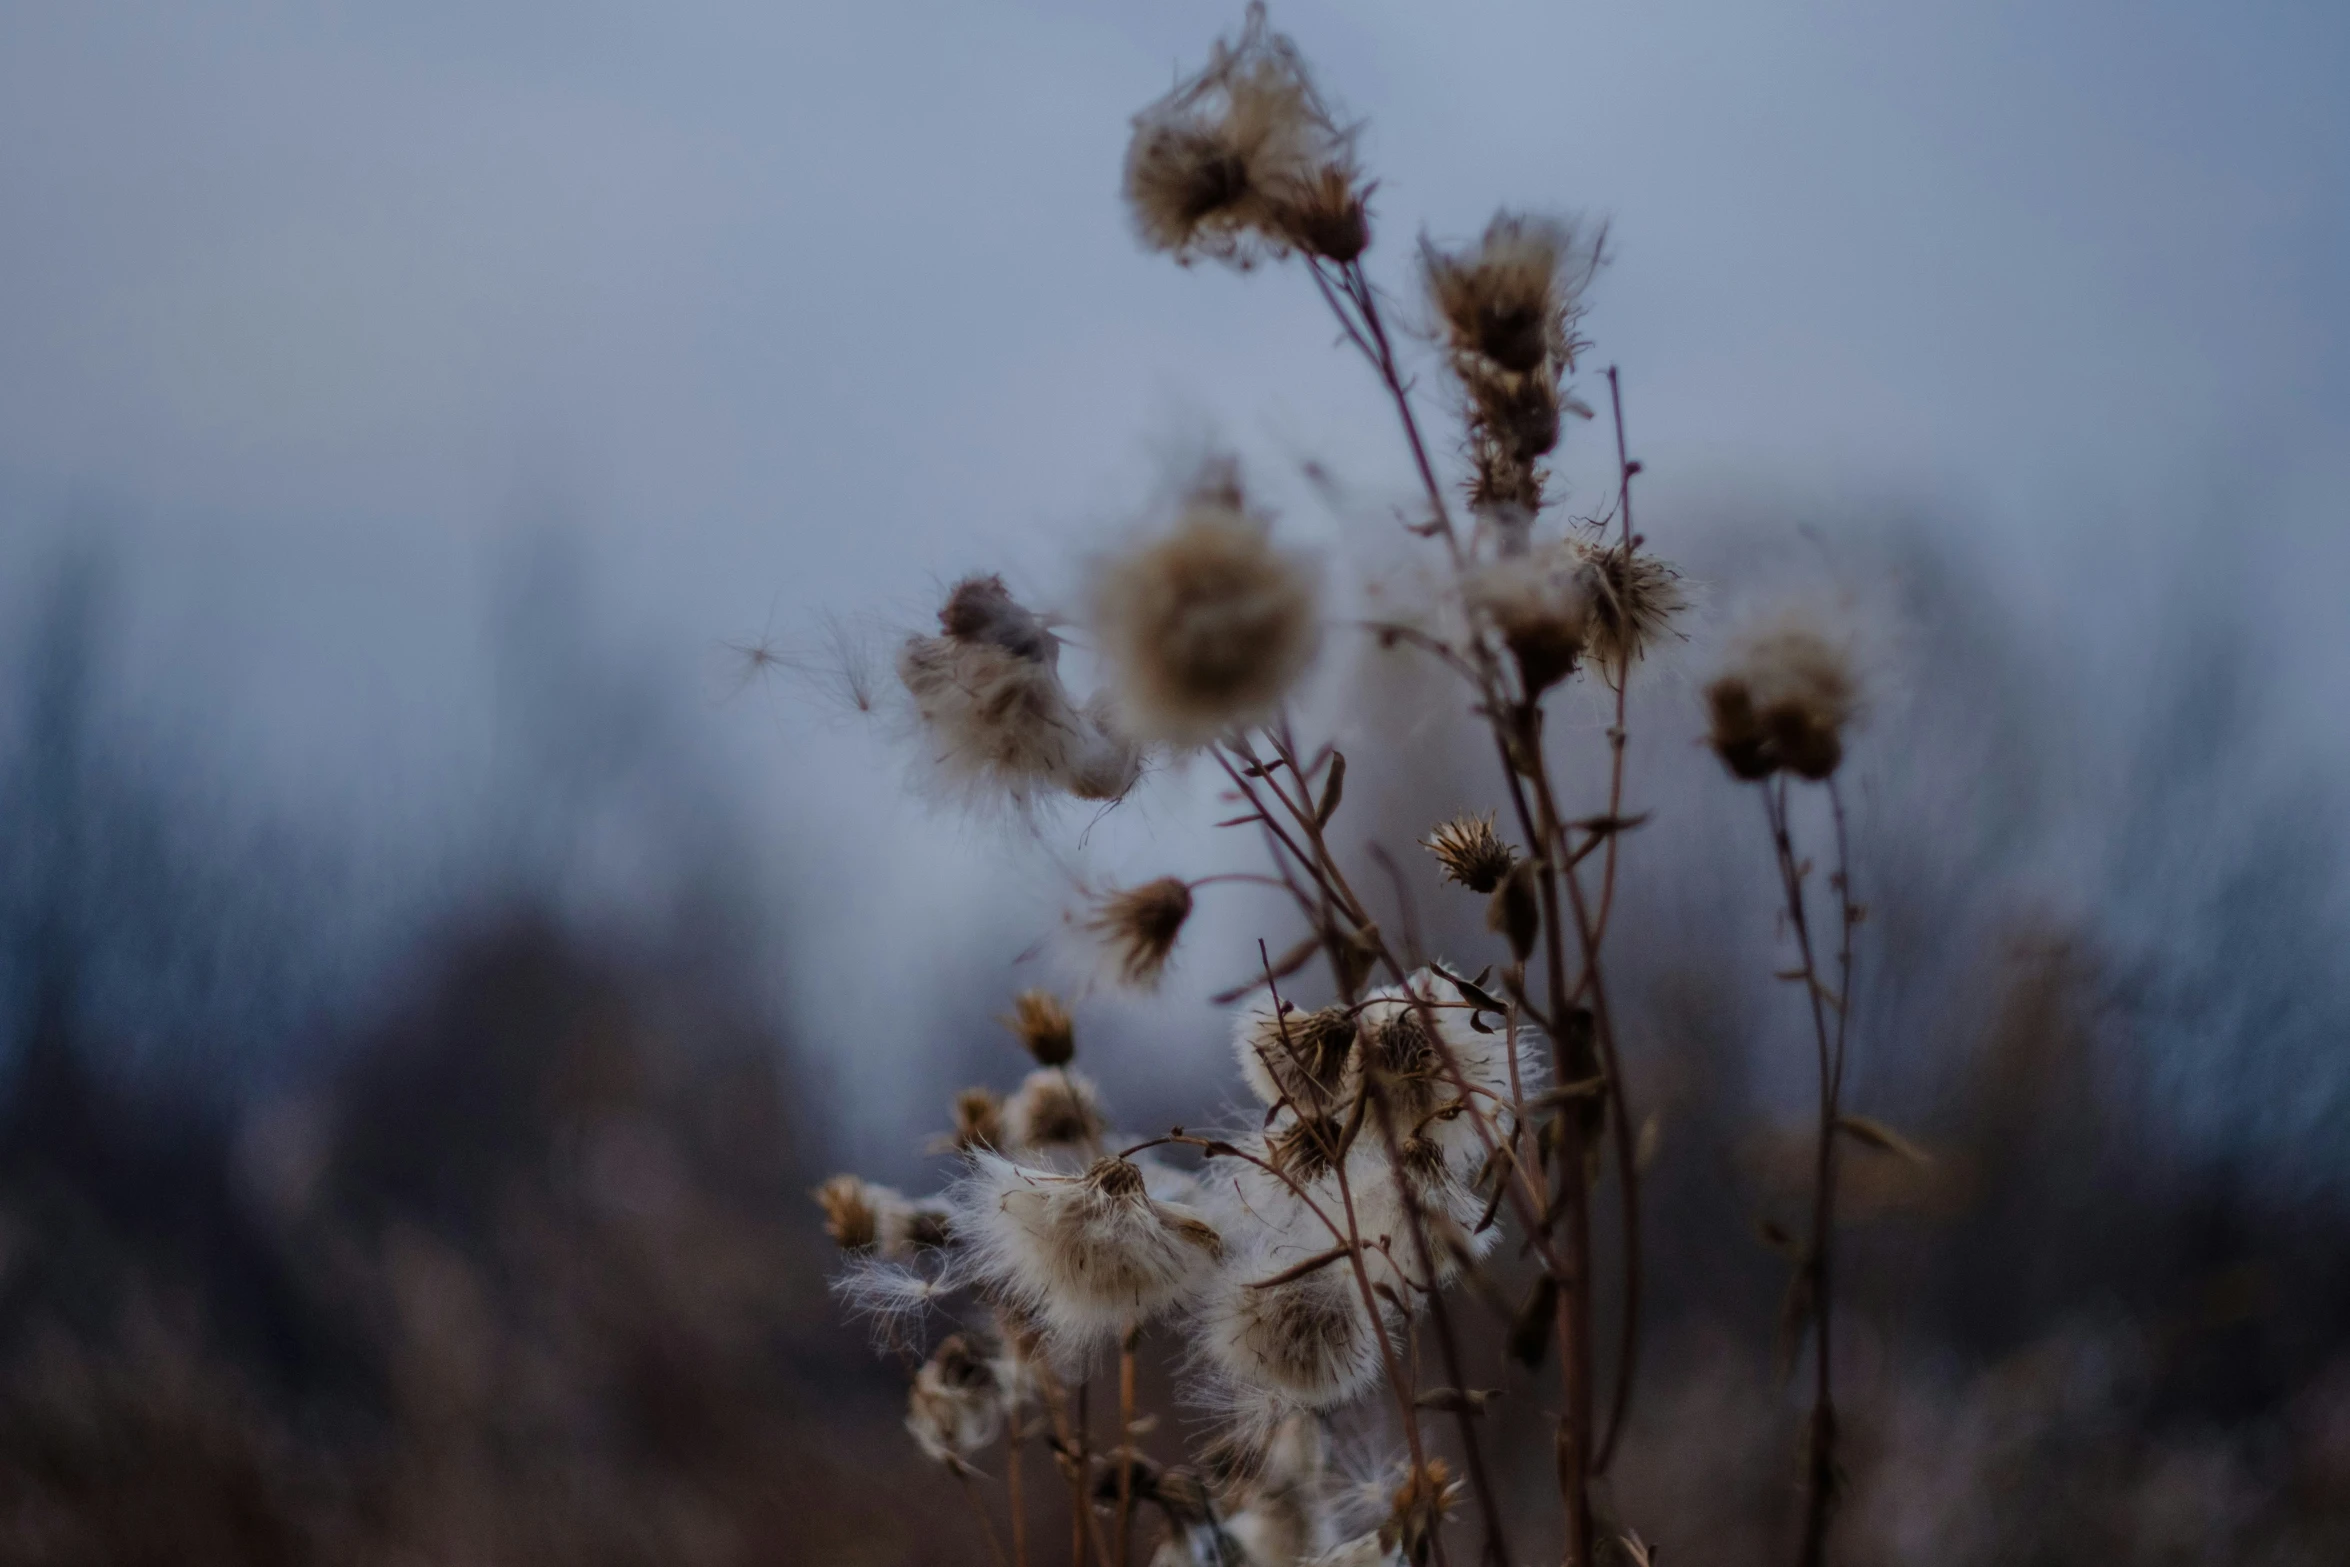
(771, 307)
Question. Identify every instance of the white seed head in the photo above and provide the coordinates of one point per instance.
(1083, 1254)
(1297, 1058)
(998, 722)
(958, 1403)
(1308, 1339)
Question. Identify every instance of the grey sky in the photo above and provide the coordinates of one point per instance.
(783, 306)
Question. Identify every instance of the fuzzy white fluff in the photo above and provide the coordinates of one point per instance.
(1309, 1339)
(1082, 1254)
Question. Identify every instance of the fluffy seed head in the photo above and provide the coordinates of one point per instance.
(1139, 927)
(1054, 1109)
(1206, 626)
(1512, 299)
(1297, 1058)
(1238, 161)
(988, 694)
(1471, 852)
(1539, 604)
(1632, 600)
(958, 1403)
(1044, 1027)
(862, 1216)
(1083, 1254)
(1306, 1338)
(1783, 703)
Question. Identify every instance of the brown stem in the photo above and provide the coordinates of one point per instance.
(995, 1546)
(1496, 1551)
(1016, 1496)
(1820, 1445)
(1123, 1533)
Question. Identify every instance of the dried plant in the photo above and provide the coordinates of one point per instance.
(1311, 1263)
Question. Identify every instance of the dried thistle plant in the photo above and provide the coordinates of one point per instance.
(1413, 1116)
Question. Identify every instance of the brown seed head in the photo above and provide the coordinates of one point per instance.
(1471, 852)
(1115, 1177)
(1512, 301)
(1633, 598)
(1139, 926)
(982, 609)
(1222, 165)
(1207, 626)
(1298, 1057)
(1044, 1026)
(1420, 1506)
(1784, 703)
(850, 1215)
(979, 1120)
(1325, 215)
(1055, 1108)
(1540, 606)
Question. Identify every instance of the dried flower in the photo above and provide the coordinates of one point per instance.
(1206, 626)
(989, 696)
(958, 1403)
(1513, 300)
(1539, 604)
(862, 1216)
(1139, 926)
(1325, 216)
(1783, 703)
(979, 1120)
(1044, 1027)
(1306, 1337)
(1632, 598)
(1084, 1254)
(1471, 852)
(1054, 1108)
(849, 1216)
(1293, 1057)
(1244, 159)
(1422, 1502)
(1412, 1060)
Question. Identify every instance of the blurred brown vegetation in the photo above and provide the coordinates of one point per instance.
(520, 1267)
(530, 1282)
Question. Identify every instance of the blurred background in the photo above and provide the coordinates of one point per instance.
(435, 960)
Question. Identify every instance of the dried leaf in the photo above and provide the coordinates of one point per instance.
(1530, 1333)
(1332, 791)
(1458, 1400)
(1876, 1134)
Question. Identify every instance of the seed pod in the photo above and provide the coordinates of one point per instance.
(1516, 910)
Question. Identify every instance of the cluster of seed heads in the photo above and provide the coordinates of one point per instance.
(1297, 1258)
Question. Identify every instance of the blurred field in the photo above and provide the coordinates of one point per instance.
(511, 1261)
